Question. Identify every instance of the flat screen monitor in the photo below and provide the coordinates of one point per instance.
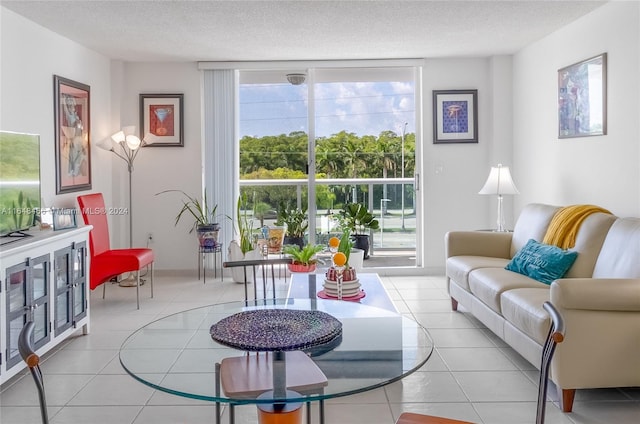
(19, 183)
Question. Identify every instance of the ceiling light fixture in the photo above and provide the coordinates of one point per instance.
(296, 79)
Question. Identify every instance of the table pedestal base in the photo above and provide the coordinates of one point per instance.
(279, 413)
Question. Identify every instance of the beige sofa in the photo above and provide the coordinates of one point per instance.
(599, 297)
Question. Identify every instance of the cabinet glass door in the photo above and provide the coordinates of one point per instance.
(71, 282)
(63, 277)
(17, 308)
(79, 281)
(39, 299)
(27, 299)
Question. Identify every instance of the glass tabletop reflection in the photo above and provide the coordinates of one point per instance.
(176, 354)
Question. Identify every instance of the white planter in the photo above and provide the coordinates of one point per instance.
(356, 259)
(235, 254)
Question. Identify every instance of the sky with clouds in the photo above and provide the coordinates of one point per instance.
(363, 108)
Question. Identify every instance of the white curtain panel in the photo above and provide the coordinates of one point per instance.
(221, 159)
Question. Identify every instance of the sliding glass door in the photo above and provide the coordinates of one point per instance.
(343, 135)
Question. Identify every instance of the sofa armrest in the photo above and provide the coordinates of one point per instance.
(602, 340)
(597, 294)
(478, 243)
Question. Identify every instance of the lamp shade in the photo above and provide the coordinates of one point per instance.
(133, 142)
(118, 137)
(105, 144)
(148, 139)
(499, 182)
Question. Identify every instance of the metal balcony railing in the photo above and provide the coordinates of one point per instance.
(383, 197)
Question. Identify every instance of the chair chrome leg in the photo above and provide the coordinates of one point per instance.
(138, 289)
(104, 289)
(217, 387)
(152, 280)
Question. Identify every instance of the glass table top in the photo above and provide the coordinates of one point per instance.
(176, 354)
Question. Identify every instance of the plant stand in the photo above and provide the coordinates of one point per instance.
(202, 264)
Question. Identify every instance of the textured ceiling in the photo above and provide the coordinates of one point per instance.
(300, 30)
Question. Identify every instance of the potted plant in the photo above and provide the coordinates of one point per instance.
(357, 219)
(204, 217)
(303, 259)
(296, 222)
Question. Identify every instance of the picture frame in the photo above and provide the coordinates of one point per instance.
(162, 120)
(582, 98)
(455, 116)
(72, 132)
(64, 218)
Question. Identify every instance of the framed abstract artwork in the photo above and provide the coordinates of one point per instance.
(582, 98)
(161, 119)
(455, 116)
(71, 111)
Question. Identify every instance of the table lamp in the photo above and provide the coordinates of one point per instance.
(500, 183)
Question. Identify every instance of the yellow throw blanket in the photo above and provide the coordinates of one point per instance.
(565, 224)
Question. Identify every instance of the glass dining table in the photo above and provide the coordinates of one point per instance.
(177, 354)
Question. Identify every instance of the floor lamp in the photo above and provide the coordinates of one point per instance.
(500, 183)
(126, 145)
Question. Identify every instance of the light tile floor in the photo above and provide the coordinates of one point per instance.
(472, 374)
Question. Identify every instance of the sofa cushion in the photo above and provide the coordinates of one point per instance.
(542, 262)
(459, 267)
(487, 284)
(620, 251)
(532, 223)
(523, 309)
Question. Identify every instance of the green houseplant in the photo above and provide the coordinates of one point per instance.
(357, 219)
(296, 221)
(204, 219)
(303, 259)
(245, 225)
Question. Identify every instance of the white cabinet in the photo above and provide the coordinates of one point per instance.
(43, 278)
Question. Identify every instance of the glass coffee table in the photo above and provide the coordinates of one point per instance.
(177, 354)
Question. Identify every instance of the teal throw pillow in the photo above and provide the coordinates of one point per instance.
(542, 262)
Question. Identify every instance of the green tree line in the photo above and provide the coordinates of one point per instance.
(342, 155)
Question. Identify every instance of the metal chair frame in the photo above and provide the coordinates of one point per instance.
(257, 263)
(25, 347)
(555, 336)
(232, 405)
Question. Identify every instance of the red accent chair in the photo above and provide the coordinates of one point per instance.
(107, 263)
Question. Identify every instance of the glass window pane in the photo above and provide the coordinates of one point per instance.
(62, 310)
(41, 320)
(62, 272)
(78, 299)
(39, 280)
(17, 290)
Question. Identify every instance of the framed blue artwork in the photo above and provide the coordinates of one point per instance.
(582, 98)
(455, 116)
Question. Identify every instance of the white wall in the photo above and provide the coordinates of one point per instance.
(30, 56)
(601, 170)
(454, 173)
(163, 168)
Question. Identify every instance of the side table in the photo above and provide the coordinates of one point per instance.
(202, 256)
